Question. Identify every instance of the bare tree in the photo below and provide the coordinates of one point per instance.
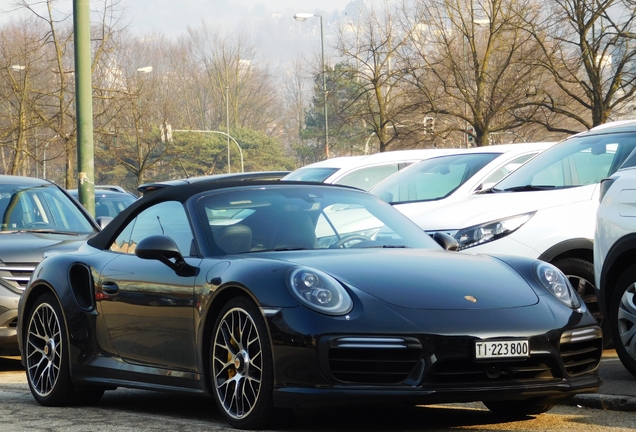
(372, 48)
(56, 109)
(228, 73)
(469, 62)
(588, 49)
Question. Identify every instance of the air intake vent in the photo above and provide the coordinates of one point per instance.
(581, 351)
(373, 360)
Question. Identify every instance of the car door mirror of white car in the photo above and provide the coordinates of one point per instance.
(446, 241)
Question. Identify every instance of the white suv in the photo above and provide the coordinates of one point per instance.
(545, 209)
(615, 255)
(363, 172)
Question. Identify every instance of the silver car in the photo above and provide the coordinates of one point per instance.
(36, 218)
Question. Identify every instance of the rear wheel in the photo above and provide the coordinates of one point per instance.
(623, 319)
(46, 350)
(241, 365)
(519, 408)
(580, 273)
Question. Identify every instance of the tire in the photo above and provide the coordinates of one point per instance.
(519, 408)
(580, 273)
(623, 319)
(46, 352)
(241, 365)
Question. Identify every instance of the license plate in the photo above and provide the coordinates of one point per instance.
(502, 349)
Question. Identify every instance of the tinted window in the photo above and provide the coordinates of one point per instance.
(167, 218)
(432, 179)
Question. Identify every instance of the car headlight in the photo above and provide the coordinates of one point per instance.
(318, 291)
(555, 282)
(484, 233)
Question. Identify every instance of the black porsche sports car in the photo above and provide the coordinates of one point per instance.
(284, 295)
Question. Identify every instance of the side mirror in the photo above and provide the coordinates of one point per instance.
(164, 249)
(446, 241)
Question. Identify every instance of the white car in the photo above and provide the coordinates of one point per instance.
(438, 181)
(363, 171)
(546, 209)
(615, 255)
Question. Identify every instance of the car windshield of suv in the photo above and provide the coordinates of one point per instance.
(42, 208)
(432, 179)
(579, 161)
(310, 174)
(290, 218)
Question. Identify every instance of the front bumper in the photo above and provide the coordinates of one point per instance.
(439, 366)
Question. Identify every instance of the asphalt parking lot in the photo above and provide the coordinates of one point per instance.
(137, 410)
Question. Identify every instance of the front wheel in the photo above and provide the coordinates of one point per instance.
(623, 319)
(519, 408)
(241, 365)
(47, 364)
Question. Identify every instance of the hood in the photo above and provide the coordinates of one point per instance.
(478, 209)
(422, 279)
(29, 247)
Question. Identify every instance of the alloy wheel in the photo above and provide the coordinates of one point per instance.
(626, 320)
(237, 363)
(44, 349)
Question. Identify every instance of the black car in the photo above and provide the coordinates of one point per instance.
(271, 294)
(36, 217)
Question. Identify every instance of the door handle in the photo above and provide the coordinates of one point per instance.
(110, 288)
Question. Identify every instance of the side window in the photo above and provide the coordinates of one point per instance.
(366, 178)
(505, 170)
(167, 218)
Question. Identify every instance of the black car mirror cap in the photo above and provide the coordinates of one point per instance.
(164, 249)
(446, 241)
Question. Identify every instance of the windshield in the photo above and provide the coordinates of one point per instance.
(310, 174)
(579, 161)
(292, 218)
(42, 208)
(432, 179)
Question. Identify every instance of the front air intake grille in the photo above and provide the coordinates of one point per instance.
(581, 351)
(377, 361)
(471, 372)
(17, 275)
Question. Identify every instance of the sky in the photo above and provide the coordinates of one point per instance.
(269, 23)
(175, 15)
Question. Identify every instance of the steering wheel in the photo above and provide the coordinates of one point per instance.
(349, 238)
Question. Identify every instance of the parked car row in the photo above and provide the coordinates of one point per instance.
(217, 284)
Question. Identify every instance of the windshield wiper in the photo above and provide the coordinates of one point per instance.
(526, 188)
(48, 231)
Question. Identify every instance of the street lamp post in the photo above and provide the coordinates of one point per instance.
(303, 17)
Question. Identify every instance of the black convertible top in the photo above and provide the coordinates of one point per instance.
(181, 190)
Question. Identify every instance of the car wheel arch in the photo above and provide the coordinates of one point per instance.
(35, 292)
(619, 258)
(572, 248)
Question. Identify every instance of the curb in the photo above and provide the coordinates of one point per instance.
(604, 401)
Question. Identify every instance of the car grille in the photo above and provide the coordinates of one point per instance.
(536, 368)
(16, 275)
(374, 360)
(581, 351)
